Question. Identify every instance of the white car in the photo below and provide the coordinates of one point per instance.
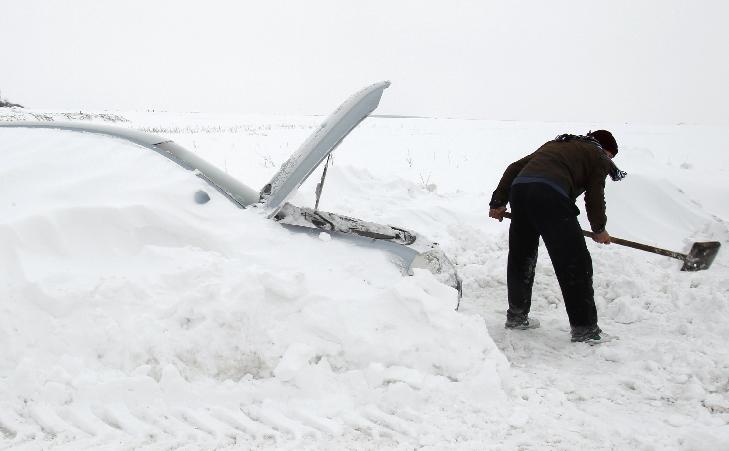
(412, 250)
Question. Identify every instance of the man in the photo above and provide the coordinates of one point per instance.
(542, 189)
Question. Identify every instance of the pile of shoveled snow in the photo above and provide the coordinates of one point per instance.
(127, 308)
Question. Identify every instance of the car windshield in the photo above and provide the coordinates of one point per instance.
(96, 171)
(230, 187)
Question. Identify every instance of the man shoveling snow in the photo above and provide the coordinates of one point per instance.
(542, 188)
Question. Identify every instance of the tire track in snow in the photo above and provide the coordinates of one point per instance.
(121, 426)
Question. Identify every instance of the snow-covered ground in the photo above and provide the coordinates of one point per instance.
(134, 318)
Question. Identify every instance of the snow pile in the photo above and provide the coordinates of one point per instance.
(123, 298)
(133, 315)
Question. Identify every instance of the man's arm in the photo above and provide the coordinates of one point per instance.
(500, 197)
(595, 205)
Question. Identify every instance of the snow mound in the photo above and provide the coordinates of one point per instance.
(135, 317)
(122, 293)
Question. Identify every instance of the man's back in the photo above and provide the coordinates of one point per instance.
(574, 165)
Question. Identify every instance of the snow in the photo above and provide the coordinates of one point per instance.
(134, 317)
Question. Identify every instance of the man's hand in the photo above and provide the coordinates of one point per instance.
(602, 237)
(497, 213)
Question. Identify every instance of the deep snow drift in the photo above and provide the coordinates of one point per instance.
(133, 316)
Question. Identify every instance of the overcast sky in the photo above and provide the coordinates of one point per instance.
(640, 61)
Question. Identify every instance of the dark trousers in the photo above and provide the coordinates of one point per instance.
(539, 210)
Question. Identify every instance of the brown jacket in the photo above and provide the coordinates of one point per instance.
(578, 166)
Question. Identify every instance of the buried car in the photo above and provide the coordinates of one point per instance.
(411, 249)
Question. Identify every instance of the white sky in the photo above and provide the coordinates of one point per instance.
(575, 60)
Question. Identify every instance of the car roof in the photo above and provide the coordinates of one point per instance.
(239, 193)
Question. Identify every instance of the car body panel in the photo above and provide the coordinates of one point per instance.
(411, 248)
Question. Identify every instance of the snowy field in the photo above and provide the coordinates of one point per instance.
(134, 318)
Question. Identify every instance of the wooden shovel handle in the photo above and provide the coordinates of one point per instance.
(633, 244)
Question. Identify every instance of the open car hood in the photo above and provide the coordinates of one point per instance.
(318, 146)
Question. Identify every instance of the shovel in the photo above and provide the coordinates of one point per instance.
(700, 257)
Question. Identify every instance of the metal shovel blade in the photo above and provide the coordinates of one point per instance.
(701, 256)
